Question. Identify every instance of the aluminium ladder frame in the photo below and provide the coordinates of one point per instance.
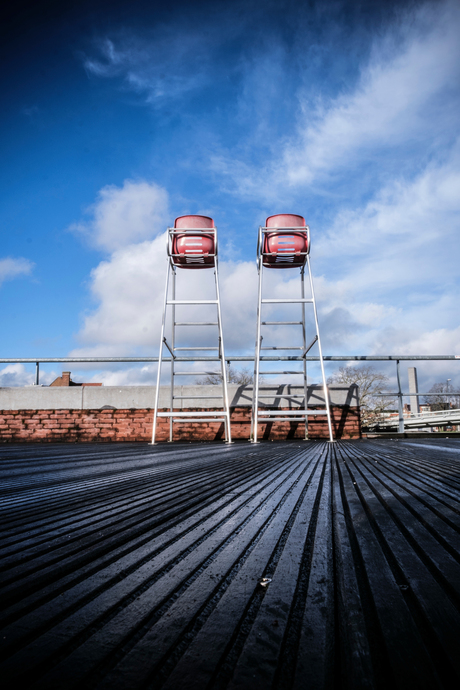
(297, 415)
(183, 417)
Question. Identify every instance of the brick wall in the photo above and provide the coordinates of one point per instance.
(136, 425)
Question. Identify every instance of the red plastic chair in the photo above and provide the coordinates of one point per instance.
(189, 250)
(287, 246)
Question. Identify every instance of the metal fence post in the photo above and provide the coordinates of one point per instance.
(37, 373)
(400, 400)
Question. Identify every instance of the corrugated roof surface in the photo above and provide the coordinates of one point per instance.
(131, 566)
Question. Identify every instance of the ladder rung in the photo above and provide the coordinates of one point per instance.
(280, 395)
(189, 414)
(197, 348)
(192, 231)
(197, 397)
(281, 419)
(205, 419)
(285, 231)
(266, 347)
(192, 301)
(273, 373)
(196, 373)
(275, 413)
(281, 323)
(299, 300)
(196, 323)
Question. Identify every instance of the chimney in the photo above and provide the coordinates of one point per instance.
(65, 378)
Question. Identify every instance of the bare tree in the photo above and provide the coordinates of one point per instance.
(370, 382)
(440, 400)
(243, 377)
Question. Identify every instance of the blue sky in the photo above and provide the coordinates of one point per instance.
(118, 117)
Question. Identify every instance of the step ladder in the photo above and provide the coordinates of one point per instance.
(191, 244)
(284, 242)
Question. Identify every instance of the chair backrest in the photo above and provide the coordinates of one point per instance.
(193, 250)
(287, 245)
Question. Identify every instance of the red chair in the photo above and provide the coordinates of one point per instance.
(288, 245)
(193, 248)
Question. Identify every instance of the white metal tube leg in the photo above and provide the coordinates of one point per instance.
(160, 356)
(304, 340)
(325, 389)
(255, 392)
(228, 434)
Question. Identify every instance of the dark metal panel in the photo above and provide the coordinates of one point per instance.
(127, 566)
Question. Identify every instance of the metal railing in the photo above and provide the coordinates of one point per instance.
(399, 394)
(423, 419)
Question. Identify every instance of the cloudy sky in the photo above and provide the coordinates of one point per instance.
(117, 117)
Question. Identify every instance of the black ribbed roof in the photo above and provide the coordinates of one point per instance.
(132, 566)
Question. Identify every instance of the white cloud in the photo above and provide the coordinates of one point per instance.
(387, 277)
(18, 375)
(405, 93)
(382, 271)
(15, 375)
(121, 216)
(129, 290)
(407, 235)
(402, 111)
(363, 261)
(128, 376)
(13, 268)
(162, 65)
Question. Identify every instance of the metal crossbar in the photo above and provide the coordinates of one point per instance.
(277, 373)
(199, 419)
(287, 301)
(176, 413)
(197, 397)
(197, 323)
(191, 301)
(176, 349)
(277, 413)
(280, 347)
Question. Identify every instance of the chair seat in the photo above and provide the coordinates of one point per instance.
(287, 246)
(189, 250)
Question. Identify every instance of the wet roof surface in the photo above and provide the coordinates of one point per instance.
(132, 566)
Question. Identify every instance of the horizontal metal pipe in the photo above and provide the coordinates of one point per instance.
(191, 301)
(277, 373)
(234, 358)
(281, 395)
(193, 349)
(280, 419)
(192, 231)
(267, 347)
(196, 373)
(197, 397)
(199, 419)
(288, 301)
(281, 323)
(293, 413)
(190, 414)
(196, 323)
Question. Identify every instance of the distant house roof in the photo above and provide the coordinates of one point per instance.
(65, 380)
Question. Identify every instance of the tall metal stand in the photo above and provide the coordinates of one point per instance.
(300, 414)
(222, 413)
